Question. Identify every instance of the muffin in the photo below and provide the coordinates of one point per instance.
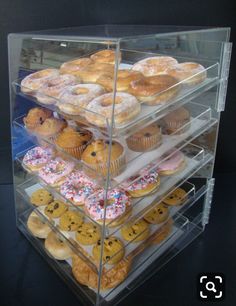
(50, 128)
(73, 142)
(146, 139)
(95, 158)
(177, 122)
(36, 116)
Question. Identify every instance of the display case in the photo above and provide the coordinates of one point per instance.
(114, 132)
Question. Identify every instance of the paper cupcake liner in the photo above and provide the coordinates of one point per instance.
(116, 167)
(176, 128)
(144, 144)
(76, 152)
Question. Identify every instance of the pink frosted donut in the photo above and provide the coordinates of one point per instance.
(118, 204)
(74, 99)
(126, 108)
(37, 157)
(52, 88)
(154, 65)
(175, 163)
(77, 187)
(145, 182)
(34, 81)
(54, 172)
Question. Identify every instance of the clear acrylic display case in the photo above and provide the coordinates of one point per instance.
(196, 139)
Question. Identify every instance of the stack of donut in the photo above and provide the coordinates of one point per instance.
(85, 86)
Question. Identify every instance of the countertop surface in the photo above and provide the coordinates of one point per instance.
(27, 280)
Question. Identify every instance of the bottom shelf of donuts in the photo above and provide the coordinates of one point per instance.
(131, 264)
(114, 280)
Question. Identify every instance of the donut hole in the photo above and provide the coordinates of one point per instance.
(109, 101)
(80, 91)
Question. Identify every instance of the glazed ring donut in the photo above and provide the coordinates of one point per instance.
(126, 108)
(118, 205)
(52, 88)
(35, 80)
(104, 56)
(74, 99)
(37, 227)
(57, 247)
(155, 89)
(94, 71)
(188, 73)
(73, 66)
(124, 77)
(154, 65)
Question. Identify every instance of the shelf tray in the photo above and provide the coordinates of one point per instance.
(147, 115)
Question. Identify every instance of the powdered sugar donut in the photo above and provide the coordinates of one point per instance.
(126, 108)
(52, 88)
(74, 99)
(77, 187)
(118, 205)
(176, 162)
(142, 184)
(54, 172)
(34, 81)
(37, 157)
(154, 65)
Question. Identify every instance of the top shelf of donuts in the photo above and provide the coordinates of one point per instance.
(83, 89)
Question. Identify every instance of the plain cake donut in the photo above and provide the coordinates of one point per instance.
(57, 247)
(37, 227)
(126, 108)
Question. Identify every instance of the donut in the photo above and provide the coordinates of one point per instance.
(126, 108)
(124, 77)
(74, 99)
(146, 139)
(104, 56)
(188, 73)
(156, 89)
(37, 226)
(57, 247)
(145, 182)
(34, 81)
(73, 66)
(37, 157)
(54, 172)
(173, 164)
(49, 92)
(93, 72)
(77, 187)
(154, 65)
(118, 205)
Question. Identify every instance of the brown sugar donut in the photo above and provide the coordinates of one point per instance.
(104, 56)
(155, 89)
(188, 73)
(124, 77)
(73, 66)
(154, 65)
(93, 71)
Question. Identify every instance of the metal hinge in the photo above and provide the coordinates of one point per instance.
(208, 201)
(224, 76)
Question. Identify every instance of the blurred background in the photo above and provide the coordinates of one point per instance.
(26, 15)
